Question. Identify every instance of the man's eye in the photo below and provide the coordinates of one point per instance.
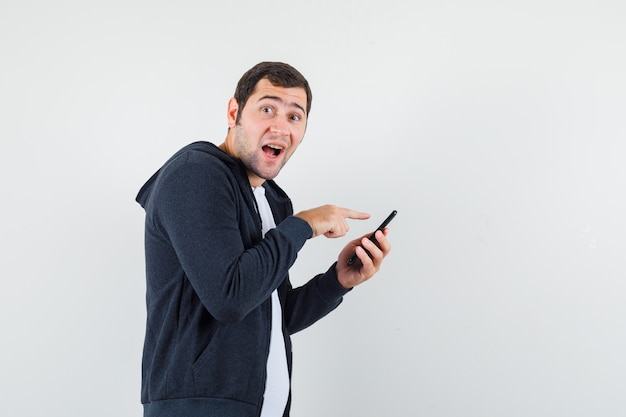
(295, 117)
(266, 109)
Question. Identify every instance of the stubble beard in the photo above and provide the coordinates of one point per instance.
(251, 157)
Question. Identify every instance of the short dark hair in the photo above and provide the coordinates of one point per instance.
(277, 73)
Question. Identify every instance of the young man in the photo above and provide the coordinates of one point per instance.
(220, 237)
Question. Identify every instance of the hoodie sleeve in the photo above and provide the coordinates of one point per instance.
(307, 304)
(202, 227)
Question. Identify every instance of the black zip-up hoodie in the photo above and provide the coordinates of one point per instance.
(209, 277)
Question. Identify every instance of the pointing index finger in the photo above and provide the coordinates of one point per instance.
(353, 214)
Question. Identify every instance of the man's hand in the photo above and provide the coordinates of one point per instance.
(352, 275)
(330, 220)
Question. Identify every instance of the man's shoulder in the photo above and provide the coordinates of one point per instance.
(203, 153)
(201, 150)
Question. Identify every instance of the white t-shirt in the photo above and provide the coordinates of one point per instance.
(277, 384)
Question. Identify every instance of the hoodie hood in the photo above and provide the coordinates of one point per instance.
(234, 164)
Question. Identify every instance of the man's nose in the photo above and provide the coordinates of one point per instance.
(279, 127)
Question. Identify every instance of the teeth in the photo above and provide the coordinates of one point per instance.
(275, 147)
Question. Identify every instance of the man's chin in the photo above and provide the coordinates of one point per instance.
(267, 174)
(271, 173)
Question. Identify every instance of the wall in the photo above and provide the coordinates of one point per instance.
(496, 129)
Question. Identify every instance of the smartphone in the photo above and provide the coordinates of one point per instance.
(384, 224)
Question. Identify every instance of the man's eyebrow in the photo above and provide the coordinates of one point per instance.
(276, 98)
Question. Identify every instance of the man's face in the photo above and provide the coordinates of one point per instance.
(270, 128)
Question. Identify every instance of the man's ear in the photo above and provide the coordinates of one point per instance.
(233, 110)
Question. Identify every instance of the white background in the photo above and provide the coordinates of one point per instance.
(495, 128)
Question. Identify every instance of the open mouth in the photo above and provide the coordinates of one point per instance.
(272, 151)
